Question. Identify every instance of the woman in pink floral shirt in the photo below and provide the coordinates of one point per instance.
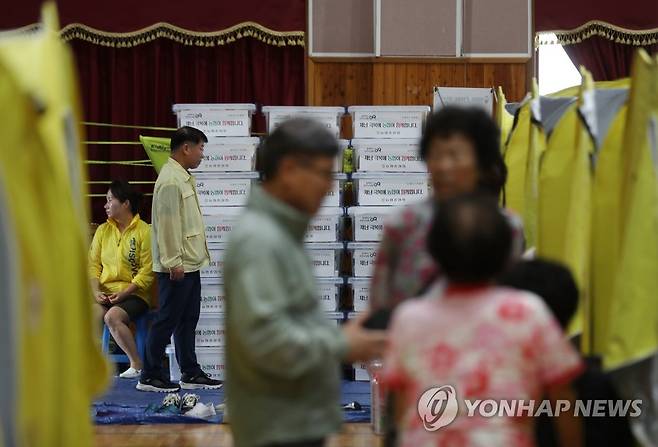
(461, 149)
(484, 341)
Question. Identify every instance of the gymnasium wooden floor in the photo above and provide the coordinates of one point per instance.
(175, 435)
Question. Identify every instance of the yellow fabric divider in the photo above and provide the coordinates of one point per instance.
(516, 156)
(574, 91)
(606, 228)
(29, 258)
(523, 152)
(555, 183)
(535, 152)
(565, 202)
(577, 242)
(504, 119)
(634, 308)
(602, 220)
(60, 365)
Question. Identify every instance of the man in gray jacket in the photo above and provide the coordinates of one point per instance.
(283, 355)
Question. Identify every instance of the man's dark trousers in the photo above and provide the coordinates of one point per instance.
(180, 304)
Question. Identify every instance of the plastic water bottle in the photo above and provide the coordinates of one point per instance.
(378, 400)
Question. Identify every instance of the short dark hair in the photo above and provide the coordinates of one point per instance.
(470, 238)
(478, 127)
(122, 191)
(552, 281)
(187, 134)
(297, 137)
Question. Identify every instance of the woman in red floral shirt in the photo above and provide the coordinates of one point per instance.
(461, 147)
(477, 342)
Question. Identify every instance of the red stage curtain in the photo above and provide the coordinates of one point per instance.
(139, 85)
(552, 15)
(136, 78)
(606, 51)
(605, 59)
(122, 16)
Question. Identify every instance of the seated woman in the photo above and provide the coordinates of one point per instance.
(121, 269)
(476, 341)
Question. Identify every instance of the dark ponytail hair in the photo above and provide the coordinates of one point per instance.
(122, 191)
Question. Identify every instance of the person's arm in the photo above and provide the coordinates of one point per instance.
(385, 264)
(261, 323)
(170, 230)
(399, 401)
(125, 293)
(394, 376)
(96, 267)
(519, 250)
(568, 426)
(95, 285)
(558, 365)
(144, 278)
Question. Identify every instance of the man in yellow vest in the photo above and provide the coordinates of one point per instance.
(179, 253)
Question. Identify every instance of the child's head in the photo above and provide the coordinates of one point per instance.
(551, 281)
(470, 239)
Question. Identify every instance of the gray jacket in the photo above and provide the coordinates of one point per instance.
(283, 355)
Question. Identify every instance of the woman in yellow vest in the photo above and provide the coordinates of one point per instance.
(121, 269)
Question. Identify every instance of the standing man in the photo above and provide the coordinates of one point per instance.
(283, 355)
(179, 252)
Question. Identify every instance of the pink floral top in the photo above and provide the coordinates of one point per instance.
(403, 267)
(488, 343)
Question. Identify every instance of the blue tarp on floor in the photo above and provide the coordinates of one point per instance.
(123, 404)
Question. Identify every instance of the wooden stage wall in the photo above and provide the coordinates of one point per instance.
(387, 81)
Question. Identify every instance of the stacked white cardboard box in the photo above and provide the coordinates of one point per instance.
(223, 181)
(323, 238)
(388, 173)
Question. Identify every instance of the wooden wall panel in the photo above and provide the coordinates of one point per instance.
(339, 84)
(406, 83)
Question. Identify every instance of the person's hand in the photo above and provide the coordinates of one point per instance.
(116, 298)
(363, 344)
(101, 298)
(176, 273)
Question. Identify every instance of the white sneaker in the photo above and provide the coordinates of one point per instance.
(131, 373)
(202, 410)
